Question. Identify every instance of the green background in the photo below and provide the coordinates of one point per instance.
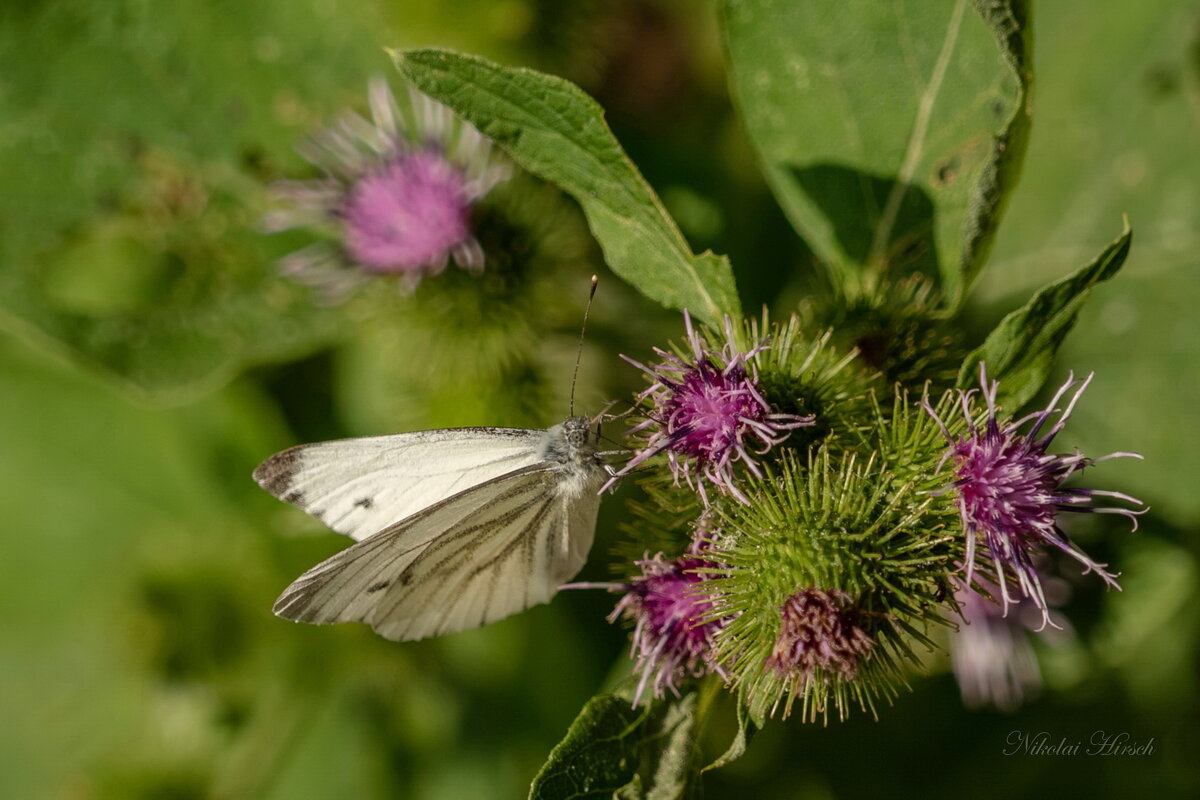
(150, 359)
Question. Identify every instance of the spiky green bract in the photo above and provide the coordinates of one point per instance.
(809, 376)
(910, 442)
(897, 328)
(663, 520)
(837, 524)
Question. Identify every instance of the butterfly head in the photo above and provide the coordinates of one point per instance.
(578, 431)
(571, 443)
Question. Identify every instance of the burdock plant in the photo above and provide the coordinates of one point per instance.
(818, 485)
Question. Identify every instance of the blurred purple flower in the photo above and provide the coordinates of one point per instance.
(673, 625)
(991, 652)
(396, 196)
(408, 215)
(707, 414)
(1010, 490)
(818, 630)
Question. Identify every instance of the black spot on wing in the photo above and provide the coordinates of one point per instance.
(364, 502)
(296, 498)
(378, 587)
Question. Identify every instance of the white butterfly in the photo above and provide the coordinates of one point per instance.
(454, 528)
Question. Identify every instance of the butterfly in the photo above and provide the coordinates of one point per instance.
(453, 528)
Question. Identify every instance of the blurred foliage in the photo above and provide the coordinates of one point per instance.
(921, 133)
(1117, 135)
(139, 658)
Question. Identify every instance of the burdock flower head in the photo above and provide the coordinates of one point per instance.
(672, 610)
(707, 413)
(396, 197)
(818, 630)
(1009, 490)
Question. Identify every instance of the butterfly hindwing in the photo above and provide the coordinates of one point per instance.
(343, 587)
(514, 558)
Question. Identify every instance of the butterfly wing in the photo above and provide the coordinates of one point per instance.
(361, 486)
(535, 540)
(473, 558)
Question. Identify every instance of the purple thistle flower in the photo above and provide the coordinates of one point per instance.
(673, 625)
(818, 630)
(708, 414)
(408, 215)
(990, 653)
(1010, 490)
(397, 199)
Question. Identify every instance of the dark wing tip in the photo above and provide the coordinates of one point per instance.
(275, 474)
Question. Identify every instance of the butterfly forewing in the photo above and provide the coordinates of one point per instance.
(361, 486)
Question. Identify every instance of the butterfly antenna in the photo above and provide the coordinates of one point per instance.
(582, 333)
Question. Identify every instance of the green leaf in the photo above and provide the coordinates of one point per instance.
(598, 755)
(554, 130)
(1020, 351)
(891, 133)
(1010, 23)
(667, 768)
(615, 750)
(737, 748)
